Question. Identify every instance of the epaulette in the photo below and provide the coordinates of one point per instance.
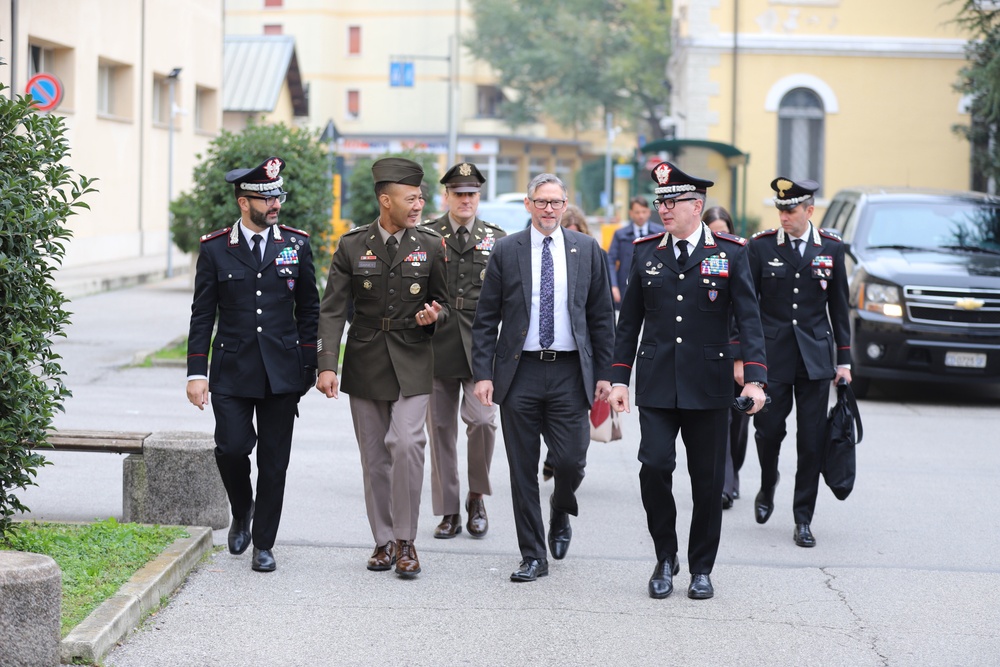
(764, 232)
(354, 230)
(427, 230)
(217, 233)
(294, 231)
(648, 238)
(428, 221)
(731, 237)
(494, 226)
(830, 234)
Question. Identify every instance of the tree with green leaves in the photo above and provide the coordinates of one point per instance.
(979, 81)
(576, 60)
(361, 188)
(210, 204)
(39, 193)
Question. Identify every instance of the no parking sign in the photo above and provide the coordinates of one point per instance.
(46, 90)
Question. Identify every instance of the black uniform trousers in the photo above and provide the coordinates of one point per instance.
(704, 435)
(235, 438)
(811, 399)
(545, 398)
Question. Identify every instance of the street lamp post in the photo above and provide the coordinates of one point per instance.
(171, 82)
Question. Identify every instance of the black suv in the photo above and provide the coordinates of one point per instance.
(924, 268)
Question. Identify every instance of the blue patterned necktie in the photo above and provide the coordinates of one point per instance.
(547, 298)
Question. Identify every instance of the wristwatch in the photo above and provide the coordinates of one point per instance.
(756, 384)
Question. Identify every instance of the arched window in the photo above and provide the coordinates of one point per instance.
(800, 136)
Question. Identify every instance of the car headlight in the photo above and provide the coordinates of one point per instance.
(880, 298)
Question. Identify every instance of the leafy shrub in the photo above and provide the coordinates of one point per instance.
(37, 196)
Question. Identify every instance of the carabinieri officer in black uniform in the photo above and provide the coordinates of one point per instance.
(257, 279)
(802, 287)
(683, 285)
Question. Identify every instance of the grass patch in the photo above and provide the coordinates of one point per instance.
(95, 559)
(178, 351)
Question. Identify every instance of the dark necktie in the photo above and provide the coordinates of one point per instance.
(547, 298)
(797, 246)
(257, 238)
(463, 237)
(391, 246)
(682, 252)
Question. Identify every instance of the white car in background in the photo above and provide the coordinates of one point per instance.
(510, 216)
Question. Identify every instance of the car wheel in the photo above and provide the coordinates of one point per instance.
(860, 385)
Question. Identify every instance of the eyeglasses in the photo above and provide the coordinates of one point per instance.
(268, 201)
(542, 204)
(669, 204)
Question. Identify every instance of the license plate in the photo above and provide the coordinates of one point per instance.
(965, 359)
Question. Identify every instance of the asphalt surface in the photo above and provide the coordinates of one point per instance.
(905, 571)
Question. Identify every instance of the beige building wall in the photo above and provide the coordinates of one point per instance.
(121, 145)
(884, 71)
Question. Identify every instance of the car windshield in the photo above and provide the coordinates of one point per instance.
(955, 224)
(511, 217)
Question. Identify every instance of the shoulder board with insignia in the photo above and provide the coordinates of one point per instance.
(427, 230)
(355, 230)
(490, 224)
(830, 234)
(648, 238)
(428, 221)
(217, 233)
(294, 231)
(764, 232)
(730, 237)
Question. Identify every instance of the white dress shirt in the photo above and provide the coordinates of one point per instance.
(564, 340)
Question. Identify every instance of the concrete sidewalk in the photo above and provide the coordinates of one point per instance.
(905, 572)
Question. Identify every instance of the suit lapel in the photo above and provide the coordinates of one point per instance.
(242, 252)
(524, 265)
(572, 250)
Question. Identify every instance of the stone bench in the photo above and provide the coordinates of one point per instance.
(169, 478)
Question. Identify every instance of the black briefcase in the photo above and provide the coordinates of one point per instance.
(843, 432)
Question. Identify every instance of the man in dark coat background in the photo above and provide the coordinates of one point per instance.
(256, 279)
(620, 250)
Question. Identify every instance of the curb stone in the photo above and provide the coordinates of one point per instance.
(93, 638)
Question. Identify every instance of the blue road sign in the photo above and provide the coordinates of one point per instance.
(401, 74)
(624, 171)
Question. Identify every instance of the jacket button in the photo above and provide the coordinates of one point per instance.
(680, 319)
(258, 292)
(259, 311)
(680, 340)
(795, 306)
(230, 275)
(680, 297)
(795, 322)
(259, 329)
(259, 275)
(680, 276)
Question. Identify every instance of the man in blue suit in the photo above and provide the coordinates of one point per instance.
(548, 286)
(620, 252)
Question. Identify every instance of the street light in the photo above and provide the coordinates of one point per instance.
(171, 82)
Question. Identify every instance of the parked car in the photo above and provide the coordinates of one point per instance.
(512, 217)
(924, 271)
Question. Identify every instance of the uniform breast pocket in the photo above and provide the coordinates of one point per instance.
(414, 282)
(479, 267)
(367, 281)
(233, 285)
(289, 275)
(771, 278)
(651, 290)
(714, 294)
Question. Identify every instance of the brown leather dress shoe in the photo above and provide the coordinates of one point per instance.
(450, 526)
(478, 523)
(383, 557)
(407, 565)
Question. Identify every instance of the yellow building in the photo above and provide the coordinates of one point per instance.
(840, 91)
(114, 60)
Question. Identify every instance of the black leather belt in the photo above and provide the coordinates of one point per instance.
(550, 355)
(383, 323)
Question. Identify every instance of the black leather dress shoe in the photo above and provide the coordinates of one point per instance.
(263, 560)
(727, 501)
(239, 532)
(560, 533)
(804, 536)
(763, 504)
(530, 569)
(661, 584)
(701, 587)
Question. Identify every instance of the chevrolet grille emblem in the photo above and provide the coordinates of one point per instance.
(969, 304)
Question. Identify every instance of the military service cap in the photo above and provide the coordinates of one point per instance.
(264, 179)
(397, 170)
(463, 177)
(672, 182)
(790, 193)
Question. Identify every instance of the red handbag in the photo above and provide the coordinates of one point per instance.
(605, 423)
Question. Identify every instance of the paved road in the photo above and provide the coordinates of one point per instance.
(905, 573)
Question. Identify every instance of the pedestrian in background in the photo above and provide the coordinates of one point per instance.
(393, 271)
(620, 252)
(718, 220)
(683, 287)
(548, 288)
(256, 281)
(468, 244)
(801, 282)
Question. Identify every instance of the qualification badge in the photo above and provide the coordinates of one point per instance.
(367, 284)
(415, 288)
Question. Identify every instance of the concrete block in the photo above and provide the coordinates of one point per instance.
(175, 482)
(30, 599)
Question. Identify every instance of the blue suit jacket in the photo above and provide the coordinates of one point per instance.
(620, 252)
(506, 298)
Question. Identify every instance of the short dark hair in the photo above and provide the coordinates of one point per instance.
(719, 213)
(641, 201)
